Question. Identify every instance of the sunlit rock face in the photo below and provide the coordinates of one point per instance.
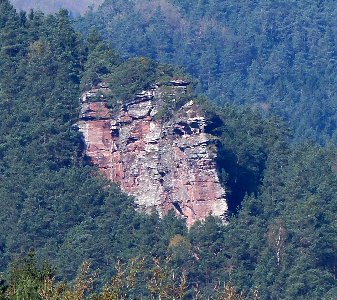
(165, 164)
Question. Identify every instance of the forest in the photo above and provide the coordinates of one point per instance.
(269, 84)
(275, 56)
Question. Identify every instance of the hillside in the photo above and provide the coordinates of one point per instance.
(279, 241)
(276, 56)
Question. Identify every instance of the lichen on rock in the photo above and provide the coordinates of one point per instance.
(165, 163)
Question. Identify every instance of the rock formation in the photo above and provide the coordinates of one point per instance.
(165, 164)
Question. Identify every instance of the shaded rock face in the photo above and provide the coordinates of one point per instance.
(164, 164)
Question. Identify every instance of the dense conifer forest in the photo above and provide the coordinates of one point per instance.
(278, 56)
(67, 233)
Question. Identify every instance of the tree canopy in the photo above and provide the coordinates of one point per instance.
(276, 56)
(280, 241)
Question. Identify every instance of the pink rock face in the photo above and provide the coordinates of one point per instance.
(165, 165)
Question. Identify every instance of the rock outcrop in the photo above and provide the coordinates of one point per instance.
(164, 164)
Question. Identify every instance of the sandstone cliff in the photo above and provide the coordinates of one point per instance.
(164, 164)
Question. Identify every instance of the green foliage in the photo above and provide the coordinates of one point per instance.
(100, 62)
(27, 282)
(26, 279)
(246, 141)
(52, 201)
(275, 56)
(131, 77)
(138, 74)
(276, 235)
(280, 244)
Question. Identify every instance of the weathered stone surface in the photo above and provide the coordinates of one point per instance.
(164, 165)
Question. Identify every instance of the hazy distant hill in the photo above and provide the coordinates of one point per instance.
(77, 7)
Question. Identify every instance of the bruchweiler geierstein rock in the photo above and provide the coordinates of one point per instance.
(166, 163)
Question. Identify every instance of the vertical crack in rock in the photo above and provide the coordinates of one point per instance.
(164, 164)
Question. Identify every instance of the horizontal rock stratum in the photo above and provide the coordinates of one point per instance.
(164, 164)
